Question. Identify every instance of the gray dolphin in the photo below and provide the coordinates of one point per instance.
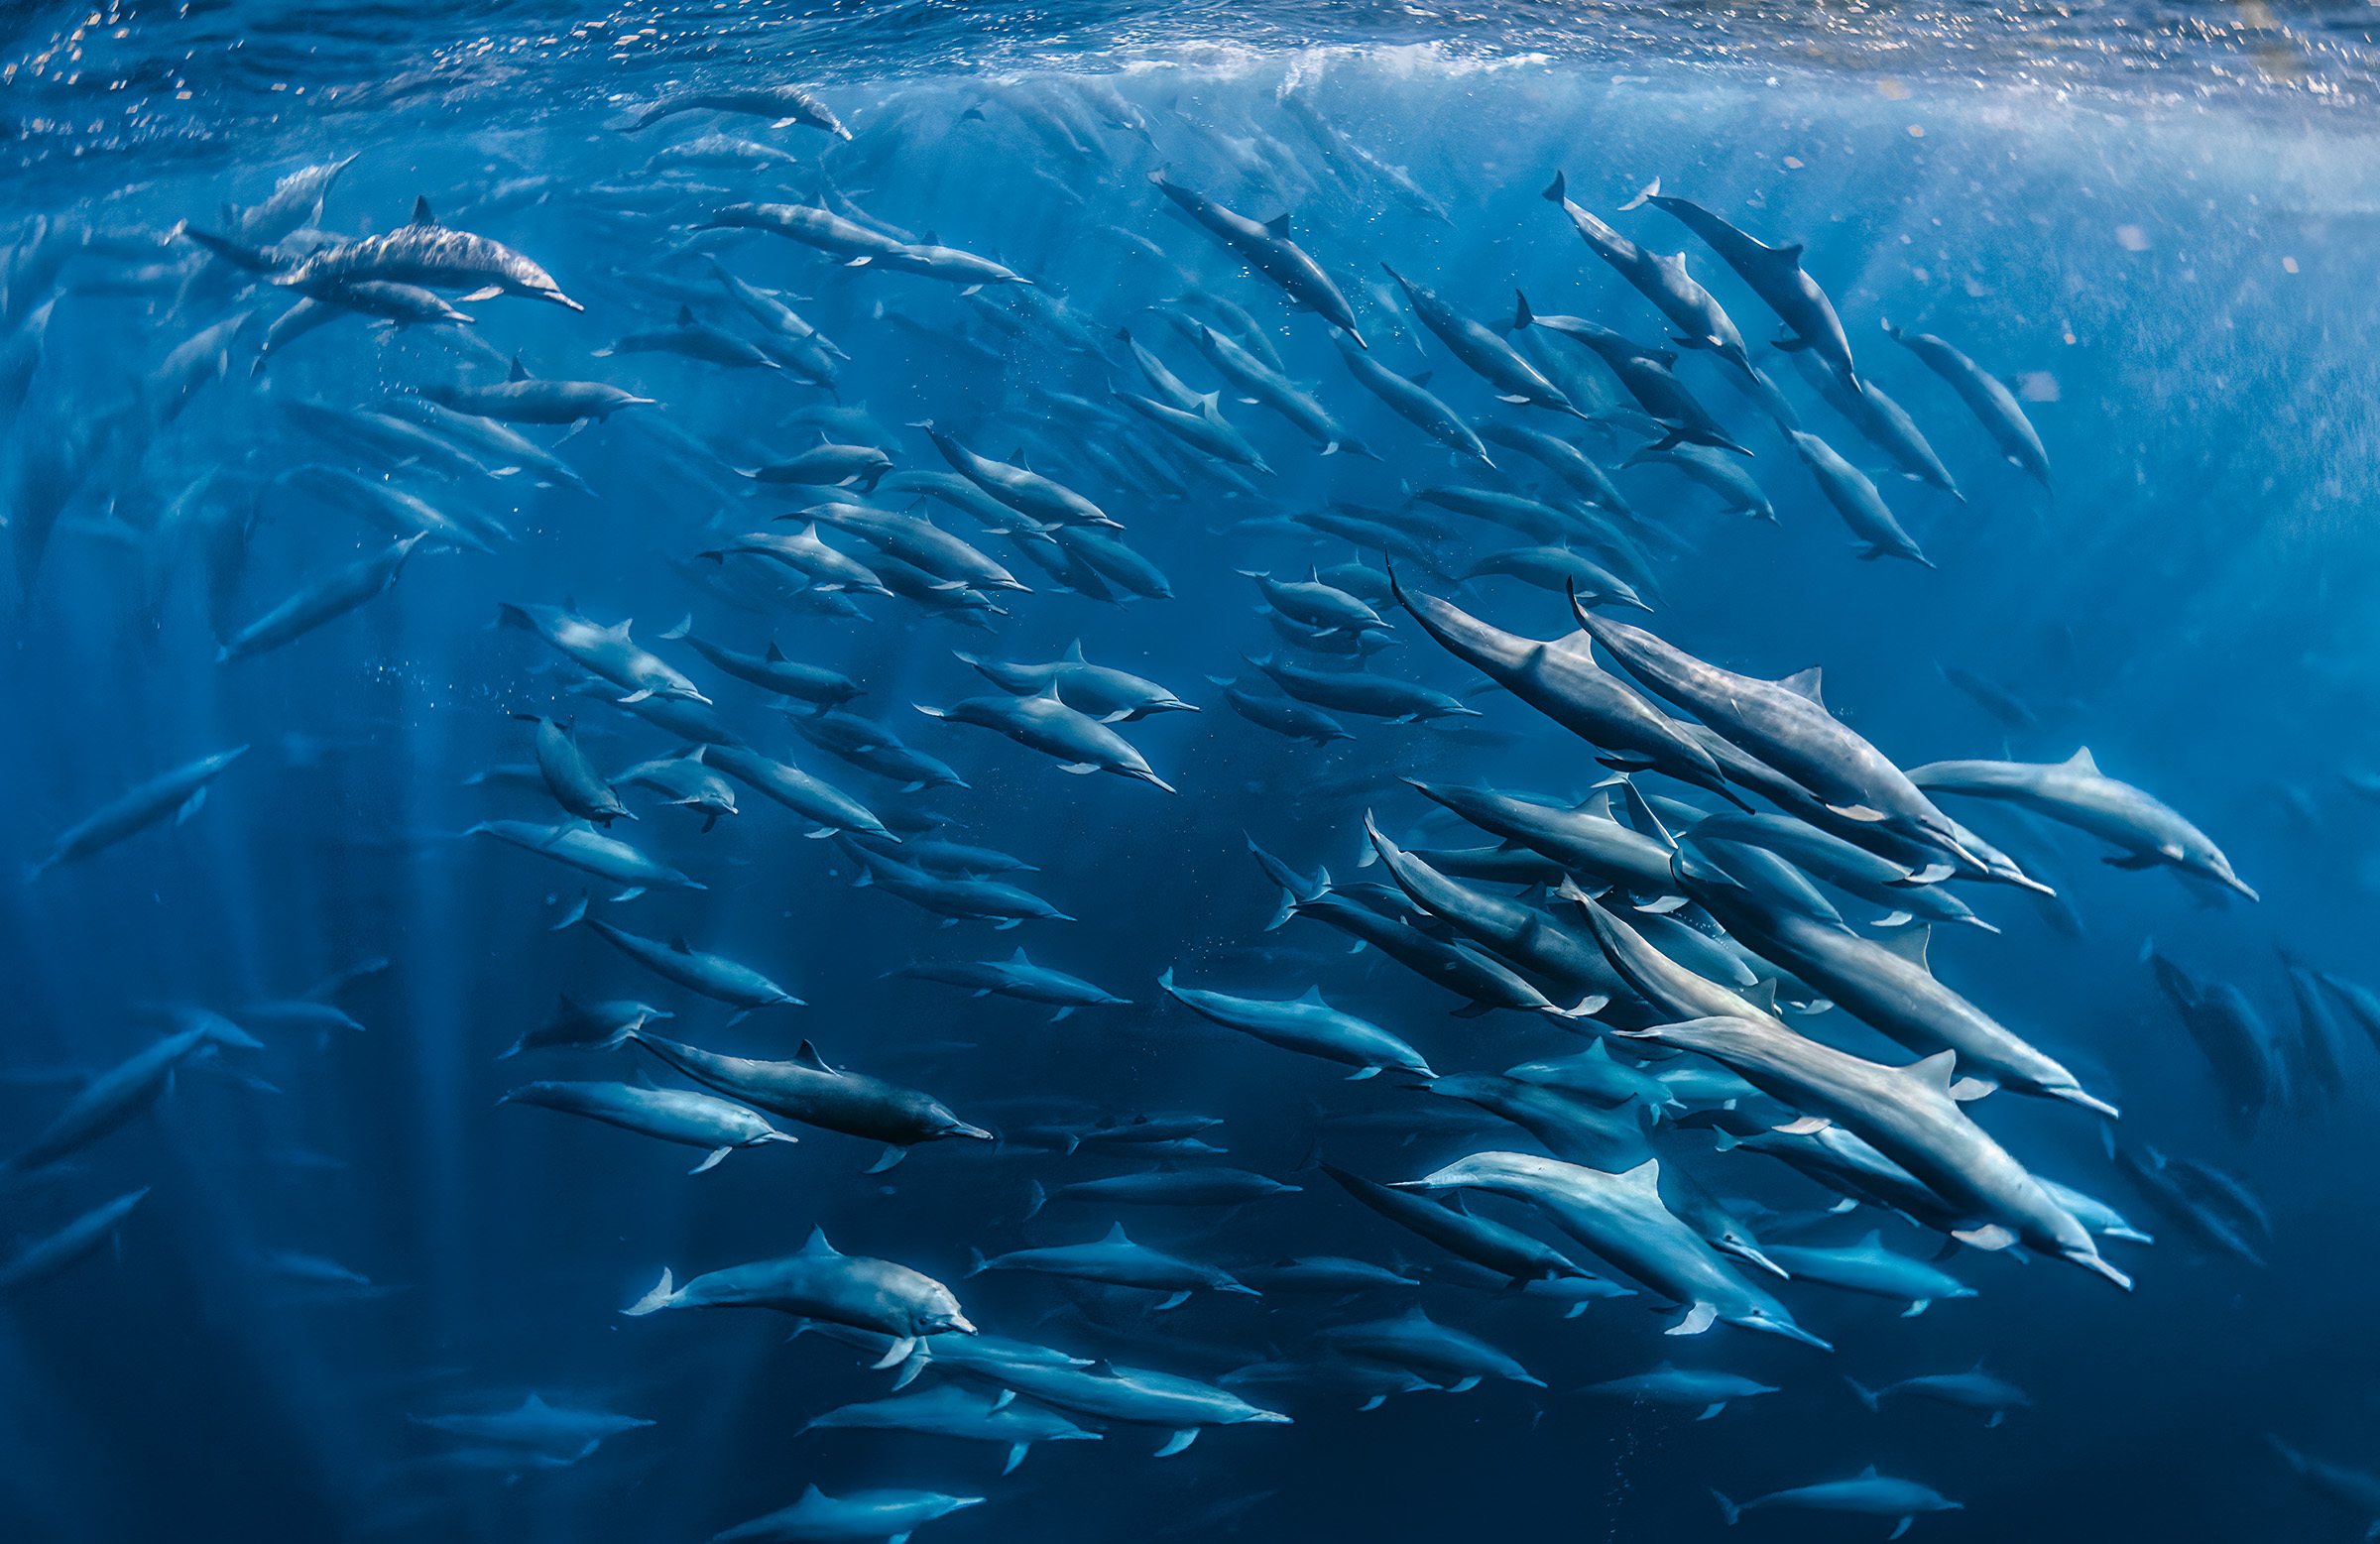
(181, 793)
(424, 252)
(1774, 274)
(669, 1114)
(1856, 498)
(1992, 404)
(1306, 1024)
(1267, 249)
(820, 1282)
(810, 1091)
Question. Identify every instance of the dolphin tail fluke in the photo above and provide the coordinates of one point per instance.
(1040, 1199)
(1867, 1396)
(1645, 195)
(976, 1264)
(1726, 1509)
(653, 1301)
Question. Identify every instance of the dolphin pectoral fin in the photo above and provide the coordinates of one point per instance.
(1847, 1204)
(1916, 1307)
(638, 696)
(908, 1375)
(1017, 1453)
(1177, 1442)
(2131, 861)
(572, 913)
(1898, 1529)
(1079, 768)
(1858, 812)
(1005, 1398)
(1697, 1319)
(1712, 1410)
(1373, 1403)
(1998, 1416)
(1360, 1073)
(1803, 1126)
(900, 1351)
(1967, 1090)
(1173, 1300)
(190, 807)
(712, 1161)
(1464, 1385)
(892, 1155)
(1989, 1237)
(629, 893)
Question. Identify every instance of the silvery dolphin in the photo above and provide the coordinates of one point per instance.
(1306, 1024)
(321, 600)
(1117, 1261)
(1267, 249)
(123, 1091)
(1774, 274)
(822, 1283)
(672, 1114)
(1043, 722)
(1974, 1389)
(53, 1254)
(810, 1091)
(583, 847)
(1867, 1266)
(711, 975)
(1992, 404)
(424, 252)
(1683, 1388)
(1699, 319)
(1856, 498)
(1869, 1494)
(1490, 357)
(949, 1410)
(1620, 1217)
(181, 793)
(2075, 793)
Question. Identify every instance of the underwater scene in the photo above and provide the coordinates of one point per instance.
(1087, 773)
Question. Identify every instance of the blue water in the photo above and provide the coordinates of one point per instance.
(2155, 226)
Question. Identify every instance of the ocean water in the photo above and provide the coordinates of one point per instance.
(277, 1013)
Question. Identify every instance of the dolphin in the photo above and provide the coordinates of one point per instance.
(524, 398)
(181, 793)
(948, 1410)
(1869, 1494)
(821, 1282)
(1887, 986)
(1267, 249)
(810, 1091)
(1856, 498)
(1483, 1242)
(534, 1424)
(683, 780)
(1166, 1186)
(1561, 680)
(1723, 474)
(672, 1114)
(1016, 486)
(1562, 458)
(1409, 398)
(772, 671)
(1975, 1389)
(1584, 841)
(321, 600)
(1360, 691)
(53, 1254)
(1261, 384)
(1906, 1114)
(959, 899)
(1784, 724)
(1645, 372)
(826, 568)
(812, 226)
(1111, 695)
(294, 202)
(1621, 1216)
(1020, 978)
(571, 777)
(1454, 1359)
(1699, 319)
(606, 651)
(811, 798)
(585, 1027)
(1117, 1262)
(1490, 357)
(424, 252)
(914, 540)
(713, 976)
(484, 439)
(1881, 421)
(1685, 1388)
(130, 1087)
(1306, 1024)
(1992, 404)
(1893, 886)
(1134, 1396)
(1774, 274)
(826, 465)
(788, 105)
(2075, 793)
(583, 847)
(1867, 1266)
(1284, 716)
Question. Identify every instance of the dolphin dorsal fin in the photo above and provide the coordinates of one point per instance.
(1116, 1234)
(1911, 944)
(1049, 693)
(1277, 227)
(520, 371)
(421, 215)
(2080, 761)
(1596, 1051)
(1074, 652)
(1805, 684)
(1103, 1367)
(685, 314)
(819, 1245)
(809, 1491)
(1312, 995)
(1868, 1472)
(1935, 1070)
(808, 1056)
(1762, 994)
(1874, 1243)
(775, 656)
(532, 1402)
(1017, 458)
(1645, 1176)
(678, 945)
(1019, 959)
